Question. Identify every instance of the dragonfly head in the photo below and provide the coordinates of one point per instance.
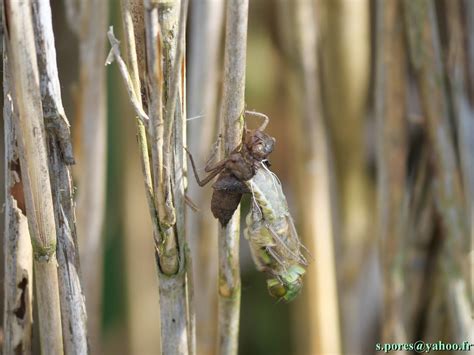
(288, 285)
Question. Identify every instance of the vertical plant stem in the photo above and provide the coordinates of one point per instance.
(73, 10)
(73, 308)
(155, 107)
(91, 168)
(425, 55)
(165, 23)
(469, 12)
(143, 316)
(35, 175)
(392, 132)
(18, 284)
(233, 104)
(345, 51)
(458, 93)
(142, 340)
(203, 63)
(320, 308)
(426, 58)
(133, 23)
(459, 81)
(345, 62)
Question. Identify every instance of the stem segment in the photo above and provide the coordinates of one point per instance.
(233, 103)
(321, 306)
(91, 21)
(206, 30)
(34, 170)
(18, 285)
(73, 309)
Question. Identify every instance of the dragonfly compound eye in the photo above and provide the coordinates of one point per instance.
(276, 288)
(288, 285)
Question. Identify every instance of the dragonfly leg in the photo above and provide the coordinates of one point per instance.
(213, 172)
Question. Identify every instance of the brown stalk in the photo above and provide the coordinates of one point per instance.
(320, 309)
(391, 113)
(425, 54)
(88, 19)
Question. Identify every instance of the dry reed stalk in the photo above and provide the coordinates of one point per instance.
(35, 175)
(321, 307)
(18, 280)
(143, 315)
(425, 54)
(88, 19)
(142, 339)
(165, 24)
(391, 114)
(345, 59)
(232, 108)
(344, 40)
(205, 32)
(73, 309)
(164, 95)
(459, 62)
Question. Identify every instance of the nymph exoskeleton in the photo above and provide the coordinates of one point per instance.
(238, 167)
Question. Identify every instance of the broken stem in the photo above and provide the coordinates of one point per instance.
(134, 41)
(133, 95)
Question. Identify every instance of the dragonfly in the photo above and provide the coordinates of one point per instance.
(274, 243)
(270, 230)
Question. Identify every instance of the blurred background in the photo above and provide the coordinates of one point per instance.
(372, 107)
